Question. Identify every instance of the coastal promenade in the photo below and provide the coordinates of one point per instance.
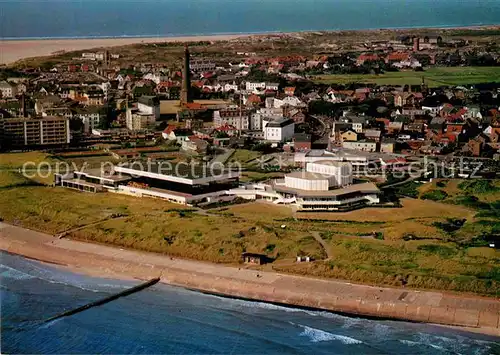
(474, 313)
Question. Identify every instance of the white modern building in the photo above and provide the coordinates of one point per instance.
(322, 186)
(178, 183)
(278, 130)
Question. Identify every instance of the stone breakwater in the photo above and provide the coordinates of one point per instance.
(471, 312)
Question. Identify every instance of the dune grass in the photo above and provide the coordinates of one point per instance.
(412, 247)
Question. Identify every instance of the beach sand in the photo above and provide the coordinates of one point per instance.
(13, 50)
(470, 313)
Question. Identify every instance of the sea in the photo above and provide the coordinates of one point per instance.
(20, 19)
(173, 320)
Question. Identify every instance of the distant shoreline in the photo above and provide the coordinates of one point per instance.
(465, 312)
(250, 33)
(13, 49)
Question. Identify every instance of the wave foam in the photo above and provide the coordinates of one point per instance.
(15, 274)
(318, 335)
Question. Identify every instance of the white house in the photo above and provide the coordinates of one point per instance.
(230, 87)
(289, 100)
(433, 110)
(91, 117)
(254, 86)
(156, 77)
(280, 130)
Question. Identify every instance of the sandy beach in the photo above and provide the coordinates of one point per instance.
(13, 50)
(471, 313)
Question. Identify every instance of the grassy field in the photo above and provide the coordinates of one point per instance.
(244, 156)
(436, 76)
(433, 258)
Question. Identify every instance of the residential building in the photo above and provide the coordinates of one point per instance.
(262, 114)
(233, 116)
(137, 120)
(7, 90)
(90, 116)
(176, 133)
(372, 134)
(253, 86)
(195, 145)
(149, 105)
(387, 146)
(280, 130)
(302, 142)
(349, 135)
(199, 65)
(31, 132)
(363, 145)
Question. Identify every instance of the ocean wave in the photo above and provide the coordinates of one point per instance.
(15, 274)
(49, 324)
(30, 270)
(318, 335)
(291, 309)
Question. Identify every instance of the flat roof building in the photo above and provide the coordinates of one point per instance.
(35, 132)
(179, 183)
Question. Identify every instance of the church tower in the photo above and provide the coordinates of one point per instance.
(186, 94)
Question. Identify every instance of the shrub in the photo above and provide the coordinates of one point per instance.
(477, 186)
(434, 195)
(270, 248)
(471, 201)
(441, 250)
(379, 235)
(451, 225)
(409, 190)
(442, 183)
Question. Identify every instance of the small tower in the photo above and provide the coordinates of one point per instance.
(416, 44)
(186, 94)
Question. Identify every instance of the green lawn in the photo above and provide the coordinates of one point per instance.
(435, 76)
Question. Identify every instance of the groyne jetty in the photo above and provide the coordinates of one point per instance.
(105, 300)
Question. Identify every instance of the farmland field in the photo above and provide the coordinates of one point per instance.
(436, 76)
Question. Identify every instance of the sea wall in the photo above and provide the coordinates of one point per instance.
(336, 303)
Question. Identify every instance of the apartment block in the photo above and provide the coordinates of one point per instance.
(18, 132)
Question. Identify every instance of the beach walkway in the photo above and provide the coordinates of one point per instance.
(479, 313)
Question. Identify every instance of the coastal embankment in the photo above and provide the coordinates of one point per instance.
(470, 312)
